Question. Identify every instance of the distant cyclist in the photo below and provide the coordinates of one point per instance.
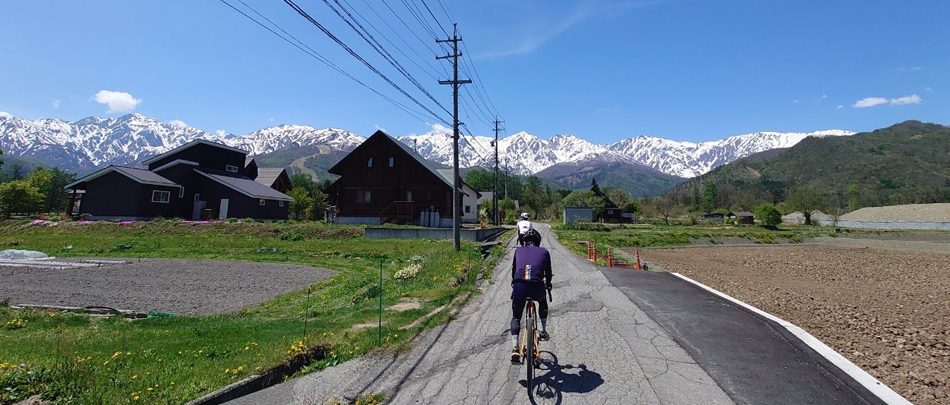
(523, 226)
(530, 276)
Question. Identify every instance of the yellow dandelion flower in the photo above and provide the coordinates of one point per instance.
(148, 389)
(128, 353)
(135, 398)
(227, 370)
(179, 352)
(246, 347)
(172, 383)
(135, 376)
(107, 362)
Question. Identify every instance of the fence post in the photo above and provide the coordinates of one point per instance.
(379, 330)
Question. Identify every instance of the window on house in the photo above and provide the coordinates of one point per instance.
(197, 197)
(181, 192)
(159, 196)
(280, 203)
(391, 161)
(262, 202)
(231, 168)
(408, 195)
(468, 209)
(363, 196)
(369, 163)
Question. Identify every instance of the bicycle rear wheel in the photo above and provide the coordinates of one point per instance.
(529, 356)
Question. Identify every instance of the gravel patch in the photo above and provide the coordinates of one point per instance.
(887, 311)
(902, 213)
(179, 286)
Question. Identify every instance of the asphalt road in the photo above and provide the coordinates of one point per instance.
(603, 350)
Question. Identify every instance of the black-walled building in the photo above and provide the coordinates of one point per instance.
(198, 180)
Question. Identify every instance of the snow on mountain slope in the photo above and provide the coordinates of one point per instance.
(93, 142)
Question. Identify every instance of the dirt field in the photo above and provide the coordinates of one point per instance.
(886, 310)
(180, 286)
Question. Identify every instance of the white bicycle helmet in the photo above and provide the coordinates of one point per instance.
(524, 216)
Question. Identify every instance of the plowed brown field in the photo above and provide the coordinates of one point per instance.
(888, 311)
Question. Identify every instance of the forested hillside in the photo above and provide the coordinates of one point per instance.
(905, 163)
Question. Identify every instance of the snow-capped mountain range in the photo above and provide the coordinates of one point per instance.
(93, 142)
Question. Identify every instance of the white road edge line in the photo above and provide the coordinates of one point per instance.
(876, 387)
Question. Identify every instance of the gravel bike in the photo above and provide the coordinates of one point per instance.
(529, 346)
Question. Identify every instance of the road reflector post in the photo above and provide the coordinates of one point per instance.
(638, 260)
(595, 251)
(610, 258)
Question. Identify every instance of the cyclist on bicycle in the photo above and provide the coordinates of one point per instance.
(523, 226)
(530, 276)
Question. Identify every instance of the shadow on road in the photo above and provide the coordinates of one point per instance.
(553, 379)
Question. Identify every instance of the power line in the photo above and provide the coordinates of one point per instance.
(414, 62)
(313, 54)
(378, 47)
(435, 19)
(359, 58)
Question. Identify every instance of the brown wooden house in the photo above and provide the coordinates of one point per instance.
(198, 180)
(383, 180)
(611, 212)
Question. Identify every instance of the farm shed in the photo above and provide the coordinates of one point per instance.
(573, 215)
(742, 217)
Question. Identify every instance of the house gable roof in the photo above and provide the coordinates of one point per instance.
(141, 176)
(430, 165)
(268, 175)
(189, 145)
(243, 185)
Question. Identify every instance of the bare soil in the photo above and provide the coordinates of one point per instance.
(885, 306)
(178, 286)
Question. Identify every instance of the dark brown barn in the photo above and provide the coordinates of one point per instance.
(611, 212)
(383, 180)
(198, 180)
(742, 217)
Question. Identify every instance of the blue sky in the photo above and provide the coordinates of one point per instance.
(690, 70)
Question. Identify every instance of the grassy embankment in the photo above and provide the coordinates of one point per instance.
(72, 358)
(656, 235)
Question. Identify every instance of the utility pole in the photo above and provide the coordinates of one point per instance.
(455, 82)
(495, 197)
(506, 177)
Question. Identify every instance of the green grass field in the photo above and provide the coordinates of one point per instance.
(72, 358)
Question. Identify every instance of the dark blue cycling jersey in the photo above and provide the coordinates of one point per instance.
(532, 264)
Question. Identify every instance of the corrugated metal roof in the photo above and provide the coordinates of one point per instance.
(145, 175)
(268, 175)
(244, 185)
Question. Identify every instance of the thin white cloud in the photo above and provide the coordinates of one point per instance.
(840, 106)
(271, 120)
(869, 102)
(118, 101)
(796, 101)
(56, 103)
(876, 101)
(928, 89)
(911, 99)
(221, 132)
(178, 124)
(583, 12)
(911, 68)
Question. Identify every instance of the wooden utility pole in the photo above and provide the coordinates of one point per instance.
(455, 82)
(495, 196)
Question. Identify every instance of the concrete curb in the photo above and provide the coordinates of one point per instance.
(256, 383)
(872, 384)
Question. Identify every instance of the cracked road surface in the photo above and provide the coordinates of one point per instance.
(603, 350)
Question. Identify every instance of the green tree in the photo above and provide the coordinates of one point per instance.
(301, 203)
(506, 207)
(710, 196)
(318, 208)
(535, 196)
(52, 184)
(666, 207)
(19, 197)
(480, 179)
(768, 214)
(304, 181)
(805, 200)
(852, 194)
